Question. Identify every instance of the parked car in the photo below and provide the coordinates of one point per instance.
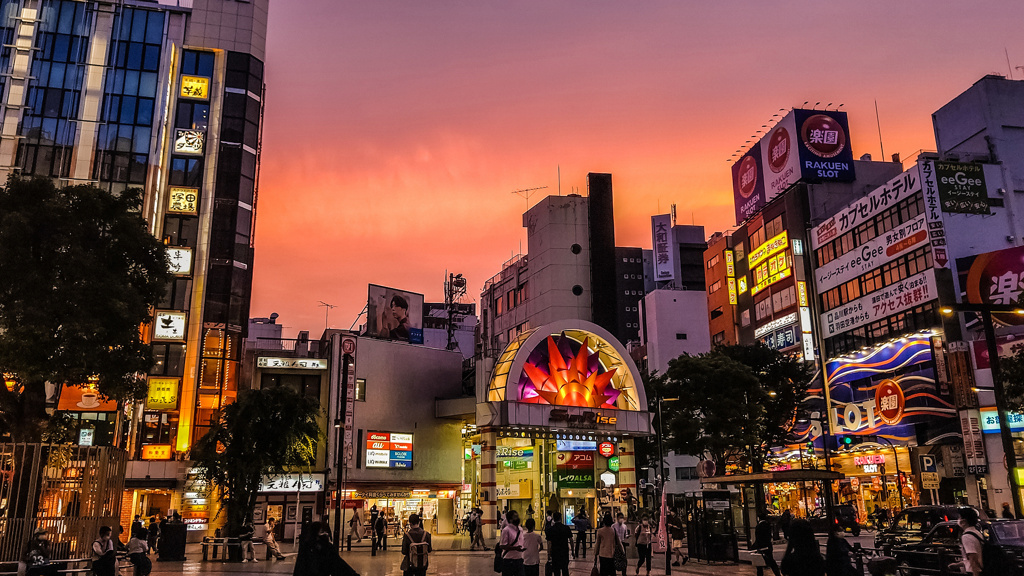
(912, 524)
(845, 516)
(940, 549)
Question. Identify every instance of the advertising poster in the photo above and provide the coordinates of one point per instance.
(748, 184)
(933, 212)
(779, 158)
(575, 469)
(664, 249)
(994, 278)
(903, 295)
(962, 187)
(162, 393)
(76, 399)
(873, 254)
(388, 450)
(879, 199)
(824, 146)
(889, 391)
(394, 314)
(169, 325)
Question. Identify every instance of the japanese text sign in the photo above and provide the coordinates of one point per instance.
(197, 87)
(664, 250)
(162, 393)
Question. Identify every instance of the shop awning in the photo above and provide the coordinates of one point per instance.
(776, 476)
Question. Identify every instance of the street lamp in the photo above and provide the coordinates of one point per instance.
(664, 477)
(986, 311)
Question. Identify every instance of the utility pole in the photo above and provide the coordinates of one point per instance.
(454, 288)
(986, 311)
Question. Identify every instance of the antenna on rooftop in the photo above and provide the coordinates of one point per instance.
(526, 192)
(327, 313)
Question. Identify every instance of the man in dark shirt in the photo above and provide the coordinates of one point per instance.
(559, 537)
(582, 524)
(764, 544)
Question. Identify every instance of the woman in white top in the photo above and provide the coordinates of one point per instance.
(138, 552)
(532, 545)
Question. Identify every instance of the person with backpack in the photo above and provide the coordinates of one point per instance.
(644, 535)
(971, 542)
(508, 554)
(416, 548)
(104, 555)
(380, 530)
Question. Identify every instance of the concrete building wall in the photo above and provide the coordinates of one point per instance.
(675, 322)
(239, 26)
(400, 379)
(558, 239)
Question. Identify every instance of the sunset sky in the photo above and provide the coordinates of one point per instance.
(395, 132)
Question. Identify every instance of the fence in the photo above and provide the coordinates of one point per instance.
(69, 490)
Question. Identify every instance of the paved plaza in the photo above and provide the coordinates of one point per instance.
(442, 563)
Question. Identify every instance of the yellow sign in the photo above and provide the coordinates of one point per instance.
(801, 288)
(163, 394)
(183, 200)
(743, 284)
(772, 246)
(730, 264)
(156, 452)
(731, 282)
(195, 87)
(769, 279)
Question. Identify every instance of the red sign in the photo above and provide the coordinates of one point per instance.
(606, 449)
(575, 460)
(889, 402)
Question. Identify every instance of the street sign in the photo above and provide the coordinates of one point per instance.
(929, 472)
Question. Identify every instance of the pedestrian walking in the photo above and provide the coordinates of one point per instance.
(152, 534)
(622, 533)
(674, 525)
(510, 547)
(764, 545)
(803, 558)
(416, 548)
(560, 537)
(104, 555)
(606, 546)
(271, 540)
(582, 524)
(380, 530)
(138, 551)
(245, 539)
(532, 545)
(838, 559)
(37, 555)
(355, 527)
(478, 530)
(644, 535)
(971, 542)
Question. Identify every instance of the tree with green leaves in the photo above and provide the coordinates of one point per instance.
(79, 275)
(731, 405)
(263, 432)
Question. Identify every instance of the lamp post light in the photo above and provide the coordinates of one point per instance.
(986, 311)
(664, 478)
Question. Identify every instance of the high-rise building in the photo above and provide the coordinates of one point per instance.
(167, 96)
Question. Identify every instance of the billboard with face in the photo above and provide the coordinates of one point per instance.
(394, 314)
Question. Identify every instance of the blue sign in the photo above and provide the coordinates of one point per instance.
(575, 446)
(823, 142)
(928, 463)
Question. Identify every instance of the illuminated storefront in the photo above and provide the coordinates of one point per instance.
(564, 404)
(886, 411)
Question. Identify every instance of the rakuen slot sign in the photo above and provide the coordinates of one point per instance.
(387, 450)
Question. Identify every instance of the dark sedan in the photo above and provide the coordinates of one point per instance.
(939, 551)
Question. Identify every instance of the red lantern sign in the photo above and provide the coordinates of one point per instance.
(606, 449)
(889, 402)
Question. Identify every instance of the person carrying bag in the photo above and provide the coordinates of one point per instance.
(416, 548)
